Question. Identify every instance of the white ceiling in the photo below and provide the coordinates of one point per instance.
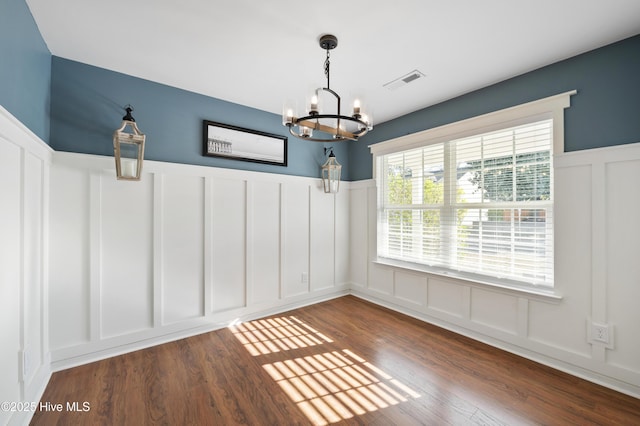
(261, 53)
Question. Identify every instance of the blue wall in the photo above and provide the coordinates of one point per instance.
(604, 112)
(75, 107)
(25, 68)
(87, 105)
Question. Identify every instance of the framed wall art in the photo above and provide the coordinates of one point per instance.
(237, 143)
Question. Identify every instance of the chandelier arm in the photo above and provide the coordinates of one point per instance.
(312, 139)
(334, 116)
(315, 125)
(327, 89)
(334, 139)
(337, 134)
(338, 115)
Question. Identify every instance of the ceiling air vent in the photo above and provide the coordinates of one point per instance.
(404, 80)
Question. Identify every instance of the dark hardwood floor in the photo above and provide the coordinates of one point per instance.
(341, 361)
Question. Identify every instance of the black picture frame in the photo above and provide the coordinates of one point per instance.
(238, 143)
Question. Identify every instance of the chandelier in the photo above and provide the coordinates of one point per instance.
(323, 127)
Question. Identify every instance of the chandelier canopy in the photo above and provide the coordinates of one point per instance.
(320, 126)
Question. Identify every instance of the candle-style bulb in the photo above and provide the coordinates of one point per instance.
(314, 105)
(356, 107)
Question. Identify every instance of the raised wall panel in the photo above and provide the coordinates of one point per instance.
(542, 328)
(573, 222)
(69, 258)
(447, 297)
(381, 279)
(495, 310)
(124, 247)
(322, 267)
(358, 253)
(182, 236)
(410, 289)
(33, 260)
(10, 257)
(265, 242)
(623, 262)
(563, 325)
(295, 247)
(342, 237)
(24, 256)
(229, 244)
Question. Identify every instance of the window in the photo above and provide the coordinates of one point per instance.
(479, 203)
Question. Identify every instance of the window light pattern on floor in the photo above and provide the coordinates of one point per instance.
(328, 386)
(270, 335)
(334, 386)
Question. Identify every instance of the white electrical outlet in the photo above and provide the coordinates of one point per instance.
(601, 333)
(305, 278)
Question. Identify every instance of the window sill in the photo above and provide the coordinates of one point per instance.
(543, 294)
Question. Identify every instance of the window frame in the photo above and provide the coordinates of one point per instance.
(543, 109)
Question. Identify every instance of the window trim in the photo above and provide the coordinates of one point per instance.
(547, 108)
(551, 107)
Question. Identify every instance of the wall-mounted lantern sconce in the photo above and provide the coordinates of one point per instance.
(128, 148)
(331, 171)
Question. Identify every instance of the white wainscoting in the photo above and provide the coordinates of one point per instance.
(186, 250)
(597, 274)
(24, 192)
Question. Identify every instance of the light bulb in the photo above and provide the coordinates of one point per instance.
(314, 105)
(356, 107)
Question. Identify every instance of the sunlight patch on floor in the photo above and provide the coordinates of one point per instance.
(329, 386)
(265, 336)
(334, 386)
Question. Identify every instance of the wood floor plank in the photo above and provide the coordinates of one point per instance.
(343, 361)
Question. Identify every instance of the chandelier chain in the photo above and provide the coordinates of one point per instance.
(327, 64)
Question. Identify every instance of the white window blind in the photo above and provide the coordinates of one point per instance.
(482, 205)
